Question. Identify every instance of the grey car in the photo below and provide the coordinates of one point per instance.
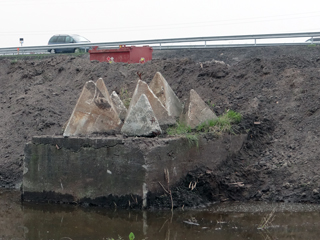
(314, 40)
(67, 39)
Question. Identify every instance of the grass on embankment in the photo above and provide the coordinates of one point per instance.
(222, 124)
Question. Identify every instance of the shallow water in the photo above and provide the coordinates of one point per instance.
(221, 221)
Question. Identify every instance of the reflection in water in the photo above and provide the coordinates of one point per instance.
(221, 221)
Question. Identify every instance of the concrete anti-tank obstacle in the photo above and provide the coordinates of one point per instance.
(159, 110)
(164, 92)
(196, 111)
(94, 111)
(141, 120)
(119, 168)
(119, 106)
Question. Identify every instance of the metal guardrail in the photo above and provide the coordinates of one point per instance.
(43, 49)
(226, 46)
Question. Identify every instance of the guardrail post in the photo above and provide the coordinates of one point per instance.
(255, 42)
(205, 44)
(160, 46)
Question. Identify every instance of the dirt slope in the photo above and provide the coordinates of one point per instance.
(278, 87)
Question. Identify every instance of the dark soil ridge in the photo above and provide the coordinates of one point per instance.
(276, 86)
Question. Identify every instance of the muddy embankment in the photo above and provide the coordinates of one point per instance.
(277, 87)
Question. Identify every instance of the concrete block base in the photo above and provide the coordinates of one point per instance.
(114, 171)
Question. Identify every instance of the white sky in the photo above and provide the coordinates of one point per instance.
(122, 20)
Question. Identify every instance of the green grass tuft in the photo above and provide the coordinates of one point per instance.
(222, 124)
(193, 139)
(179, 129)
(234, 116)
(182, 129)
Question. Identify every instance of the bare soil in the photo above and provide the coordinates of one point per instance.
(276, 89)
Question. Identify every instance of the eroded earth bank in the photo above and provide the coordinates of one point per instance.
(276, 89)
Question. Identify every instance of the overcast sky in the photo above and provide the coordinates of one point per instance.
(122, 20)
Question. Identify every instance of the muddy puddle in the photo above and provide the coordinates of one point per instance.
(220, 221)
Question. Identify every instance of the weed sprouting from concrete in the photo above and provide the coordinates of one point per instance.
(124, 96)
(193, 139)
(222, 124)
(179, 129)
(182, 129)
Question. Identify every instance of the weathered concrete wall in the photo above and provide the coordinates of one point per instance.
(114, 170)
(179, 156)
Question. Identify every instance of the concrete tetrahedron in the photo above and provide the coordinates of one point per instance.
(196, 111)
(164, 92)
(94, 111)
(141, 120)
(159, 110)
(119, 106)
